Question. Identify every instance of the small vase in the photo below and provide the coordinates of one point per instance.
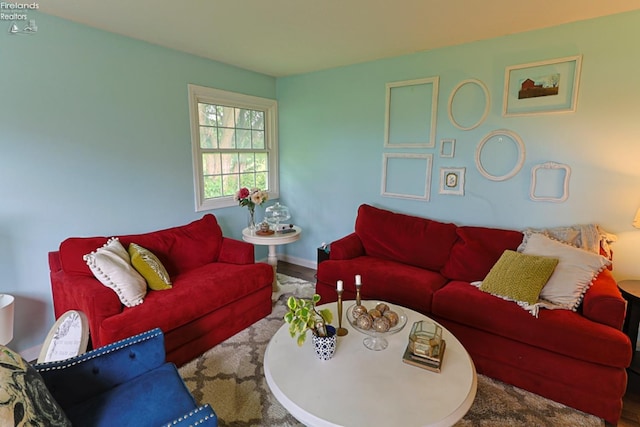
(252, 219)
(326, 346)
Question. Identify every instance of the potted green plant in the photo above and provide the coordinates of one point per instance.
(302, 315)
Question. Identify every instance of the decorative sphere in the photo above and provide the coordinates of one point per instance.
(364, 321)
(381, 324)
(392, 316)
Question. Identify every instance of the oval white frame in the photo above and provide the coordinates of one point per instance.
(521, 155)
(68, 337)
(486, 106)
(565, 189)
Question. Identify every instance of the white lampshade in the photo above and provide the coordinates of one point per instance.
(6, 318)
(636, 219)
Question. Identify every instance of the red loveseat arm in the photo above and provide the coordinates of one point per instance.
(84, 293)
(236, 252)
(348, 247)
(603, 302)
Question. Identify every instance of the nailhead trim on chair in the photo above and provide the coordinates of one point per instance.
(104, 350)
(191, 414)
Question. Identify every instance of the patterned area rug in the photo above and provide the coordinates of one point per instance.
(231, 379)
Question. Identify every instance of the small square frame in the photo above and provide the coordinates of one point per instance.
(447, 147)
(452, 181)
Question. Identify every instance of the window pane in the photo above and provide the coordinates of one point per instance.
(262, 162)
(207, 114)
(212, 187)
(226, 116)
(257, 139)
(246, 162)
(247, 180)
(226, 138)
(243, 118)
(229, 185)
(262, 181)
(211, 164)
(229, 163)
(208, 137)
(257, 120)
(243, 139)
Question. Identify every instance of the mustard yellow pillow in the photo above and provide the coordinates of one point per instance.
(149, 267)
(519, 277)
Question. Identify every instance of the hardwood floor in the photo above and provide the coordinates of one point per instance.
(631, 402)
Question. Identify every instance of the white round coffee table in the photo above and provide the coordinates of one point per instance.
(361, 387)
(272, 240)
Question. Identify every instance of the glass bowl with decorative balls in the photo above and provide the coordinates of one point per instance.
(377, 319)
(275, 214)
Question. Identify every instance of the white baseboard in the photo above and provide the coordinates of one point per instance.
(299, 261)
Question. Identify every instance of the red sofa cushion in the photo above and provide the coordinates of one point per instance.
(403, 238)
(179, 248)
(560, 331)
(476, 250)
(197, 293)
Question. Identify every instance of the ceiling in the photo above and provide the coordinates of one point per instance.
(286, 37)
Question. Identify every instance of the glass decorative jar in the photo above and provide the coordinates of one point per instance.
(275, 214)
(425, 339)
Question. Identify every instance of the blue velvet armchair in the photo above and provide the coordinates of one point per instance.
(126, 383)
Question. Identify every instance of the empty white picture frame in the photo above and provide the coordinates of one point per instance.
(473, 93)
(495, 141)
(452, 181)
(550, 182)
(411, 113)
(447, 147)
(406, 175)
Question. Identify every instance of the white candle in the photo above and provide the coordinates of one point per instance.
(339, 285)
(358, 280)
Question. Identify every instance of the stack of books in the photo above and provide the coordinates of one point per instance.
(432, 363)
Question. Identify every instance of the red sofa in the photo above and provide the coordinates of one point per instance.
(576, 358)
(218, 289)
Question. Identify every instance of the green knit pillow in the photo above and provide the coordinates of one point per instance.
(519, 277)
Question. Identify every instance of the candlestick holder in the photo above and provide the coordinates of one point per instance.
(341, 331)
(358, 294)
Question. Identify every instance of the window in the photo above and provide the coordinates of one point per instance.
(234, 145)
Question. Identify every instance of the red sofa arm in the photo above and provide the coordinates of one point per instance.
(87, 294)
(236, 252)
(603, 302)
(348, 247)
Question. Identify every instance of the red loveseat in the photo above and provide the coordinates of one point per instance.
(577, 358)
(218, 289)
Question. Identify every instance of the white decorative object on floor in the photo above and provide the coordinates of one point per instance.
(67, 338)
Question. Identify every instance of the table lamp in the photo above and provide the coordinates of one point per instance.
(6, 318)
(636, 219)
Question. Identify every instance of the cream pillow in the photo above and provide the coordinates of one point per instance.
(111, 265)
(572, 276)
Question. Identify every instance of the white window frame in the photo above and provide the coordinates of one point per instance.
(201, 94)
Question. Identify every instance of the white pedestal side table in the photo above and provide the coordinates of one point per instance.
(272, 241)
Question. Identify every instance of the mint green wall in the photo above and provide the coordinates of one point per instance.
(95, 140)
(332, 134)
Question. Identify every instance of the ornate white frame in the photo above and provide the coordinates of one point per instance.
(487, 104)
(431, 137)
(521, 155)
(428, 158)
(565, 186)
(457, 189)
